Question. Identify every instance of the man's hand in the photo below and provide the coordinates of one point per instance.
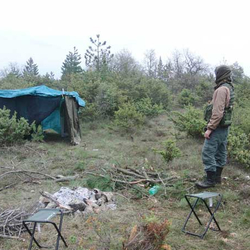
(208, 133)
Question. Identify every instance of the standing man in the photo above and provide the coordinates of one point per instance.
(219, 117)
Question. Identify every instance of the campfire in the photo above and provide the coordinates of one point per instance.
(81, 199)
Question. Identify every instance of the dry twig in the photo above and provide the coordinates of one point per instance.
(11, 223)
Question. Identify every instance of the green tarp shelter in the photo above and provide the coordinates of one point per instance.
(53, 109)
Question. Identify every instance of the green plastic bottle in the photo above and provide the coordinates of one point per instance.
(153, 190)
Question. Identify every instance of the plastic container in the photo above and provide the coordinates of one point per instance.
(153, 190)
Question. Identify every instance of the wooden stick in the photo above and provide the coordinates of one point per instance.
(11, 237)
(26, 171)
(129, 173)
(133, 170)
(120, 181)
(67, 178)
(53, 199)
(8, 186)
(144, 172)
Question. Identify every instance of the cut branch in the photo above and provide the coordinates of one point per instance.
(26, 172)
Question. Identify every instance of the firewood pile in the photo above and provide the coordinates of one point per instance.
(81, 200)
(11, 223)
(137, 177)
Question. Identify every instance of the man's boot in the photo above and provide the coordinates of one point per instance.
(218, 175)
(208, 182)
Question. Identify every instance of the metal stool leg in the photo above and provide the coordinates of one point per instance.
(192, 209)
(59, 232)
(212, 214)
(32, 234)
(44, 216)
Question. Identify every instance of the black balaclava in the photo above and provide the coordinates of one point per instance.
(222, 73)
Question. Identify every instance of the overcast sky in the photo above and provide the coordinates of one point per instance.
(47, 30)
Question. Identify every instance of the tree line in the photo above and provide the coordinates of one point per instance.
(108, 81)
(182, 69)
(118, 88)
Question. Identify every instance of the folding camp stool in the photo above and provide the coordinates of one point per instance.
(203, 197)
(45, 216)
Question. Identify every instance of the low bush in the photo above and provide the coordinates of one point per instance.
(12, 129)
(191, 121)
(147, 108)
(108, 99)
(128, 118)
(89, 112)
(186, 97)
(156, 90)
(36, 133)
(241, 114)
(239, 146)
(169, 151)
(204, 92)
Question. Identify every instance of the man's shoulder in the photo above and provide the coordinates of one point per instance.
(223, 89)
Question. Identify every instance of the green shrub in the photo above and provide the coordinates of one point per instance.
(13, 82)
(239, 146)
(108, 99)
(191, 121)
(37, 133)
(245, 218)
(89, 112)
(128, 118)
(186, 97)
(102, 183)
(170, 150)
(156, 90)
(12, 130)
(241, 116)
(86, 85)
(147, 108)
(204, 92)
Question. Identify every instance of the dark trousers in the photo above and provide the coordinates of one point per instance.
(214, 152)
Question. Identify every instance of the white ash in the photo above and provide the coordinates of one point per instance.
(81, 199)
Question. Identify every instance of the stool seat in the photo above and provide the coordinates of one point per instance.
(44, 216)
(203, 197)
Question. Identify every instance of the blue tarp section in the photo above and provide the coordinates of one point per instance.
(53, 121)
(40, 104)
(42, 91)
(32, 108)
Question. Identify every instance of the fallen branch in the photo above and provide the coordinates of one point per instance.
(27, 172)
(11, 223)
(53, 199)
(11, 237)
(128, 172)
(8, 186)
(66, 178)
(117, 180)
(133, 182)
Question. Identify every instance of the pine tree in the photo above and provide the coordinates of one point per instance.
(98, 56)
(160, 69)
(30, 69)
(72, 63)
(31, 73)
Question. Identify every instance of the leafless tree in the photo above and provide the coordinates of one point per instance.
(150, 63)
(13, 69)
(124, 63)
(193, 64)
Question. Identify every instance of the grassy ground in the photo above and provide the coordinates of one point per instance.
(103, 146)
